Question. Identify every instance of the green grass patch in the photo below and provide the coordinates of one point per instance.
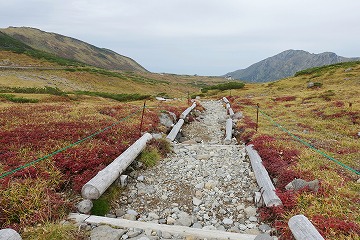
(102, 205)
(318, 71)
(12, 98)
(224, 86)
(150, 156)
(54, 231)
(118, 97)
(33, 90)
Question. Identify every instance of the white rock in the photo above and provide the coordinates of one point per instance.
(196, 201)
(227, 221)
(250, 211)
(170, 221)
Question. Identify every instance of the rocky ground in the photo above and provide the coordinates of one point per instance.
(202, 184)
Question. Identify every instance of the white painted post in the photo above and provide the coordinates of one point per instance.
(94, 188)
(228, 105)
(231, 112)
(302, 228)
(225, 100)
(262, 178)
(174, 131)
(187, 111)
(228, 131)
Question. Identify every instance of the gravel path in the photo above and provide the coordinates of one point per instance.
(202, 184)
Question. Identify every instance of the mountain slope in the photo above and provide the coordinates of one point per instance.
(74, 49)
(286, 64)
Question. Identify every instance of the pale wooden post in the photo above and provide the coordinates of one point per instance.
(94, 188)
(302, 228)
(231, 112)
(228, 131)
(187, 111)
(228, 105)
(174, 131)
(263, 179)
(225, 100)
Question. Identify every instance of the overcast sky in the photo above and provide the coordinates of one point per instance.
(204, 37)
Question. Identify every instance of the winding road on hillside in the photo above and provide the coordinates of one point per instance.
(203, 184)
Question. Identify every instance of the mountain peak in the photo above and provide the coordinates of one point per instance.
(286, 64)
(71, 48)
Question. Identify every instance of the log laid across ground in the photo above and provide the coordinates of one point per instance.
(174, 131)
(262, 177)
(94, 188)
(228, 131)
(187, 111)
(302, 228)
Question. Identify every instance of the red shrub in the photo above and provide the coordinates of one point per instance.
(327, 225)
(285, 99)
(339, 104)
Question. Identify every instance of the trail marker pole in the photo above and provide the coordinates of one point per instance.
(257, 116)
(142, 118)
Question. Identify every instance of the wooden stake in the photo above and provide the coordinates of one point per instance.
(257, 116)
(142, 118)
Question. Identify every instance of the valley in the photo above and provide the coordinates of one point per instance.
(308, 128)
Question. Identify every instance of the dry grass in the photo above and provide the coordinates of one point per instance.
(328, 118)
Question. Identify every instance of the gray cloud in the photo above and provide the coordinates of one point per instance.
(196, 36)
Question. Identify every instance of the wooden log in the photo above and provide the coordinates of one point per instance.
(228, 131)
(262, 177)
(173, 229)
(225, 100)
(174, 131)
(187, 111)
(9, 234)
(228, 106)
(231, 112)
(94, 188)
(302, 228)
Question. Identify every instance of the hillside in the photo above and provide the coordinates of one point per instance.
(38, 122)
(70, 48)
(307, 133)
(24, 70)
(286, 64)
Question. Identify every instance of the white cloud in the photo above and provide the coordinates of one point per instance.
(196, 36)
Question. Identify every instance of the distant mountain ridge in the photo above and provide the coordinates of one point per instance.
(286, 64)
(71, 48)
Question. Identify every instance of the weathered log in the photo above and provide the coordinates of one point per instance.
(231, 112)
(228, 105)
(263, 179)
(9, 234)
(187, 111)
(173, 229)
(84, 206)
(174, 131)
(302, 228)
(225, 100)
(228, 131)
(94, 188)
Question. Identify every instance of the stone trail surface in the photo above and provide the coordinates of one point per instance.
(202, 184)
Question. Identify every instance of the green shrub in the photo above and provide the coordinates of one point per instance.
(149, 156)
(224, 86)
(34, 90)
(102, 205)
(12, 98)
(320, 70)
(118, 97)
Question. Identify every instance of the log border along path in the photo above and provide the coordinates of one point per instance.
(203, 190)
